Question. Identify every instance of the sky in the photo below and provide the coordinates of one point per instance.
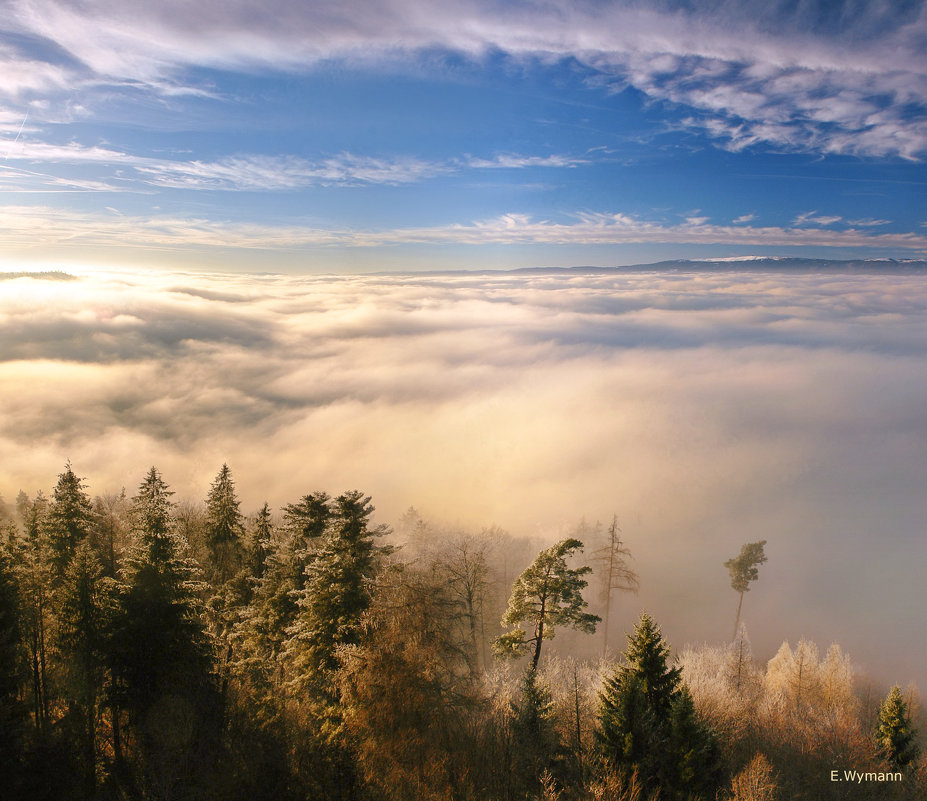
(704, 409)
(437, 134)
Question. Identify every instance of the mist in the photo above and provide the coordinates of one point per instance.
(705, 410)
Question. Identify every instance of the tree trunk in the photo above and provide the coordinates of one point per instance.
(740, 603)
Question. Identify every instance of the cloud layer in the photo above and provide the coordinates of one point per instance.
(705, 409)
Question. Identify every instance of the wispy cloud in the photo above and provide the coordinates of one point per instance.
(868, 222)
(822, 81)
(36, 227)
(256, 172)
(813, 218)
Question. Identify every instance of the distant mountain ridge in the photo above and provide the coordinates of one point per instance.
(755, 264)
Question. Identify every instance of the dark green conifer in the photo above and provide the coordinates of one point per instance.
(896, 737)
(69, 519)
(648, 724)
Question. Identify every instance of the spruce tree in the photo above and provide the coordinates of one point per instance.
(648, 724)
(261, 541)
(224, 526)
(896, 737)
(546, 595)
(85, 607)
(163, 660)
(35, 575)
(69, 519)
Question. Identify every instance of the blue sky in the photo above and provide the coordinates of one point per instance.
(453, 133)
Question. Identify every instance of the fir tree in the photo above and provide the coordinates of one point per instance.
(896, 737)
(546, 595)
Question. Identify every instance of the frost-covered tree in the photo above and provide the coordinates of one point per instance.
(744, 568)
(337, 588)
(261, 543)
(224, 525)
(163, 661)
(546, 595)
(896, 737)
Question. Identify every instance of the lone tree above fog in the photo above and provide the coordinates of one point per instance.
(744, 569)
(546, 595)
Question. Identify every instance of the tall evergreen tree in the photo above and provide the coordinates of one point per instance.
(11, 664)
(306, 523)
(261, 543)
(35, 573)
(337, 589)
(69, 519)
(224, 526)
(546, 595)
(85, 603)
(335, 596)
(647, 722)
(896, 737)
(163, 659)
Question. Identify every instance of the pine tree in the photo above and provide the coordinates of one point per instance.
(69, 519)
(744, 568)
(224, 526)
(896, 737)
(546, 595)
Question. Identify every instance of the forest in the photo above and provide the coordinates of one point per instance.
(164, 649)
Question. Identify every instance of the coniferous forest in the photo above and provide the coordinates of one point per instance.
(152, 648)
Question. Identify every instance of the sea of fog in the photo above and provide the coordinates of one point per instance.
(704, 409)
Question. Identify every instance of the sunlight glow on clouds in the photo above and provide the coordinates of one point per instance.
(705, 409)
